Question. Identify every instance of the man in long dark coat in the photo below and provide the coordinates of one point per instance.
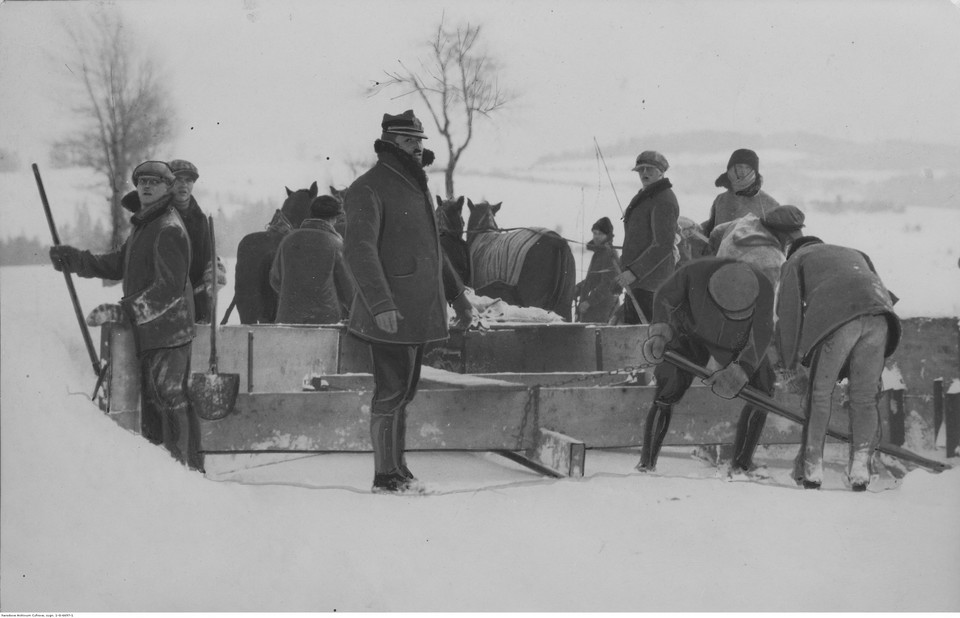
(154, 264)
(392, 247)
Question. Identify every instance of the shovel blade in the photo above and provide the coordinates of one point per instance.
(214, 394)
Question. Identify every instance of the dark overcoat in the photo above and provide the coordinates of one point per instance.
(650, 228)
(392, 247)
(154, 264)
(311, 276)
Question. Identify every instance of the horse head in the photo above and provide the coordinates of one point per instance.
(296, 207)
(450, 216)
(483, 216)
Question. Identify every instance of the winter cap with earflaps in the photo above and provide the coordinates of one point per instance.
(653, 159)
(325, 207)
(403, 124)
(734, 288)
(182, 167)
(783, 218)
(153, 169)
(604, 225)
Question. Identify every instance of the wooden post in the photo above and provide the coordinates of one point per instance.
(895, 416)
(951, 417)
(598, 348)
(249, 361)
(937, 407)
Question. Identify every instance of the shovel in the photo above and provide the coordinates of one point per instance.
(214, 394)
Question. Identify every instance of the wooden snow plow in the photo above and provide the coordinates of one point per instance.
(543, 394)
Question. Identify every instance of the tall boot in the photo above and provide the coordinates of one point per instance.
(400, 432)
(383, 439)
(749, 429)
(654, 431)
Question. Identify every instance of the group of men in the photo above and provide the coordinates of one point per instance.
(834, 314)
(760, 295)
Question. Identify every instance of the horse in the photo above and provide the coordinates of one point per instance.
(450, 221)
(527, 267)
(256, 301)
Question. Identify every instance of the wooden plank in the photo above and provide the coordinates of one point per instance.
(560, 453)
(431, 377)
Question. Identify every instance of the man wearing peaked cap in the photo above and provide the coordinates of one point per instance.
(201, 270)
(154, 265)
(650, 225)
(404, 284)
(716, 312)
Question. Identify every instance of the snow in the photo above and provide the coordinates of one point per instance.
(95, 519)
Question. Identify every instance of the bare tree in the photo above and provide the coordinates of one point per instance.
(126, 111)
(457, 83)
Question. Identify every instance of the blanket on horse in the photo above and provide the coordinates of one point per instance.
(497, 257)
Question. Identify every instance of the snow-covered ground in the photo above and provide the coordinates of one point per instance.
(94, 518)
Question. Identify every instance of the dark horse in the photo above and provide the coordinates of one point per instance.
(527, 267)
(256, 300)
(450, 221)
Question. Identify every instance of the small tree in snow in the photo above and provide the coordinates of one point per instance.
(457, 83)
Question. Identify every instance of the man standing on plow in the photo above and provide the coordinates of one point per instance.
(719, 313)
(392, 247)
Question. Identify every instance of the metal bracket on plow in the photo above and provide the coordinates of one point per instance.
(555, 455)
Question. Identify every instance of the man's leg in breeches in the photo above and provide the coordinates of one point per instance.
(167, 374)
(752, 419)
(828, 359)
(393, 371)
(401, 417)
(672, 383)
(866, 369)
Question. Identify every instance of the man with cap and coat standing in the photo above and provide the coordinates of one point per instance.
(154, 264)
(309, 273)
(598, 293)
(650, 227)
(743, 194)
(392, 247)
(717, 313)
(836, 317)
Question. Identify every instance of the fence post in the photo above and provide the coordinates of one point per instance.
(951, 417)
(937, 407)
(895, 416)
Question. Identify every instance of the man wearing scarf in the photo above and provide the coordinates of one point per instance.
(743, 194)
(392, 247)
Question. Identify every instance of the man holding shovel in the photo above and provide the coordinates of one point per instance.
(716, 312)
(154, 264)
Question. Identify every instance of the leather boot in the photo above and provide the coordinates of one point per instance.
(654, 431)
(749, 429)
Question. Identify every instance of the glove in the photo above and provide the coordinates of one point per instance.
(221, 276)
(107, 312)
(727, 382)
(65, 258)
(658, 336)
(465, 314)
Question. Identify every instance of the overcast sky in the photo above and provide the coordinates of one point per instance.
(255, 79)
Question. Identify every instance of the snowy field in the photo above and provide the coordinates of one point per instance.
(95, 519)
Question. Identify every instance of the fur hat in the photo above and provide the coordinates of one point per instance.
(784, 218)
(325, 207)
(185, 168)
(652, 158)
(604, 225)
(155, 169)
(734, 287)
(403, 124)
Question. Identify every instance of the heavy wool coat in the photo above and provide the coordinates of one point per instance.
(311, 276)
(599, 288)
(650, 227)
(392, 247)
(154, 263)
(823, 287)
(684, 302)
